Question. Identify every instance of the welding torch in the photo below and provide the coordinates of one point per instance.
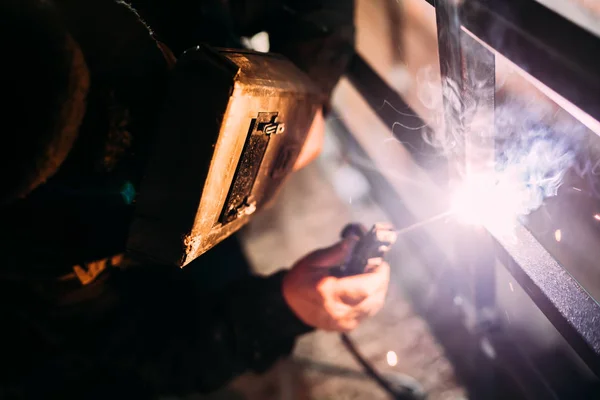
(367, 245)
(373, 243)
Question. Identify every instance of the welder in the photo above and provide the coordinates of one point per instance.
(83, 84)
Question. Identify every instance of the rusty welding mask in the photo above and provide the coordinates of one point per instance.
(231, 130)
(182, 170)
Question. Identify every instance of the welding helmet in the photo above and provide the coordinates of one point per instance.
(212, 145)
(233, 125)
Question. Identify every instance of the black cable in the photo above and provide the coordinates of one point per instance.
(368, 245)
(400, 392)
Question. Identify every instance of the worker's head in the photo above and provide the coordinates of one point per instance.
(89, 105)
(44, 85)
(72, 76)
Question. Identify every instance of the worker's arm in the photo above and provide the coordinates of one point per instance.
(186, 342)
(144, 332)
(178, 341)
(151, 328)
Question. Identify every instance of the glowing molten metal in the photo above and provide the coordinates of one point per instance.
(495, 202)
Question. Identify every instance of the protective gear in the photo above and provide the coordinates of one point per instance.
(84, 211)
(234, 124)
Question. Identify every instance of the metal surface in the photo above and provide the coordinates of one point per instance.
(584, 13)
(560, 297)
(552, 49)
(468, 87)
(546, 365)
(233, 126)
(468, 90)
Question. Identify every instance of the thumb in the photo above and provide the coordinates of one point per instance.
(332, 256)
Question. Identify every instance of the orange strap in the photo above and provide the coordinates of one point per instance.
(88, 273)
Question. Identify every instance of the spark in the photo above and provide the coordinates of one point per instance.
(488, 348)
(577, 189)
(558, 235)
(392, 358)
(597, 217)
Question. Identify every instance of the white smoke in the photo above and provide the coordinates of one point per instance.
(533, 149)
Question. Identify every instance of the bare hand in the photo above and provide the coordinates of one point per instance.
(335, 304)
(314, 142)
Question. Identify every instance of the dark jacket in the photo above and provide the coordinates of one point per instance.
(138, 331)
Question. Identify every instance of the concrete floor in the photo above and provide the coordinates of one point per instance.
(309, 214)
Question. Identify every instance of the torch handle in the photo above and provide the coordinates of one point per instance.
(369, 244)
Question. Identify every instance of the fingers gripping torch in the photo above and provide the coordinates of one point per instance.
(371, 244)
(368, 244)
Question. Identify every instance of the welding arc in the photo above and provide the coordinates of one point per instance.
(420, 224)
